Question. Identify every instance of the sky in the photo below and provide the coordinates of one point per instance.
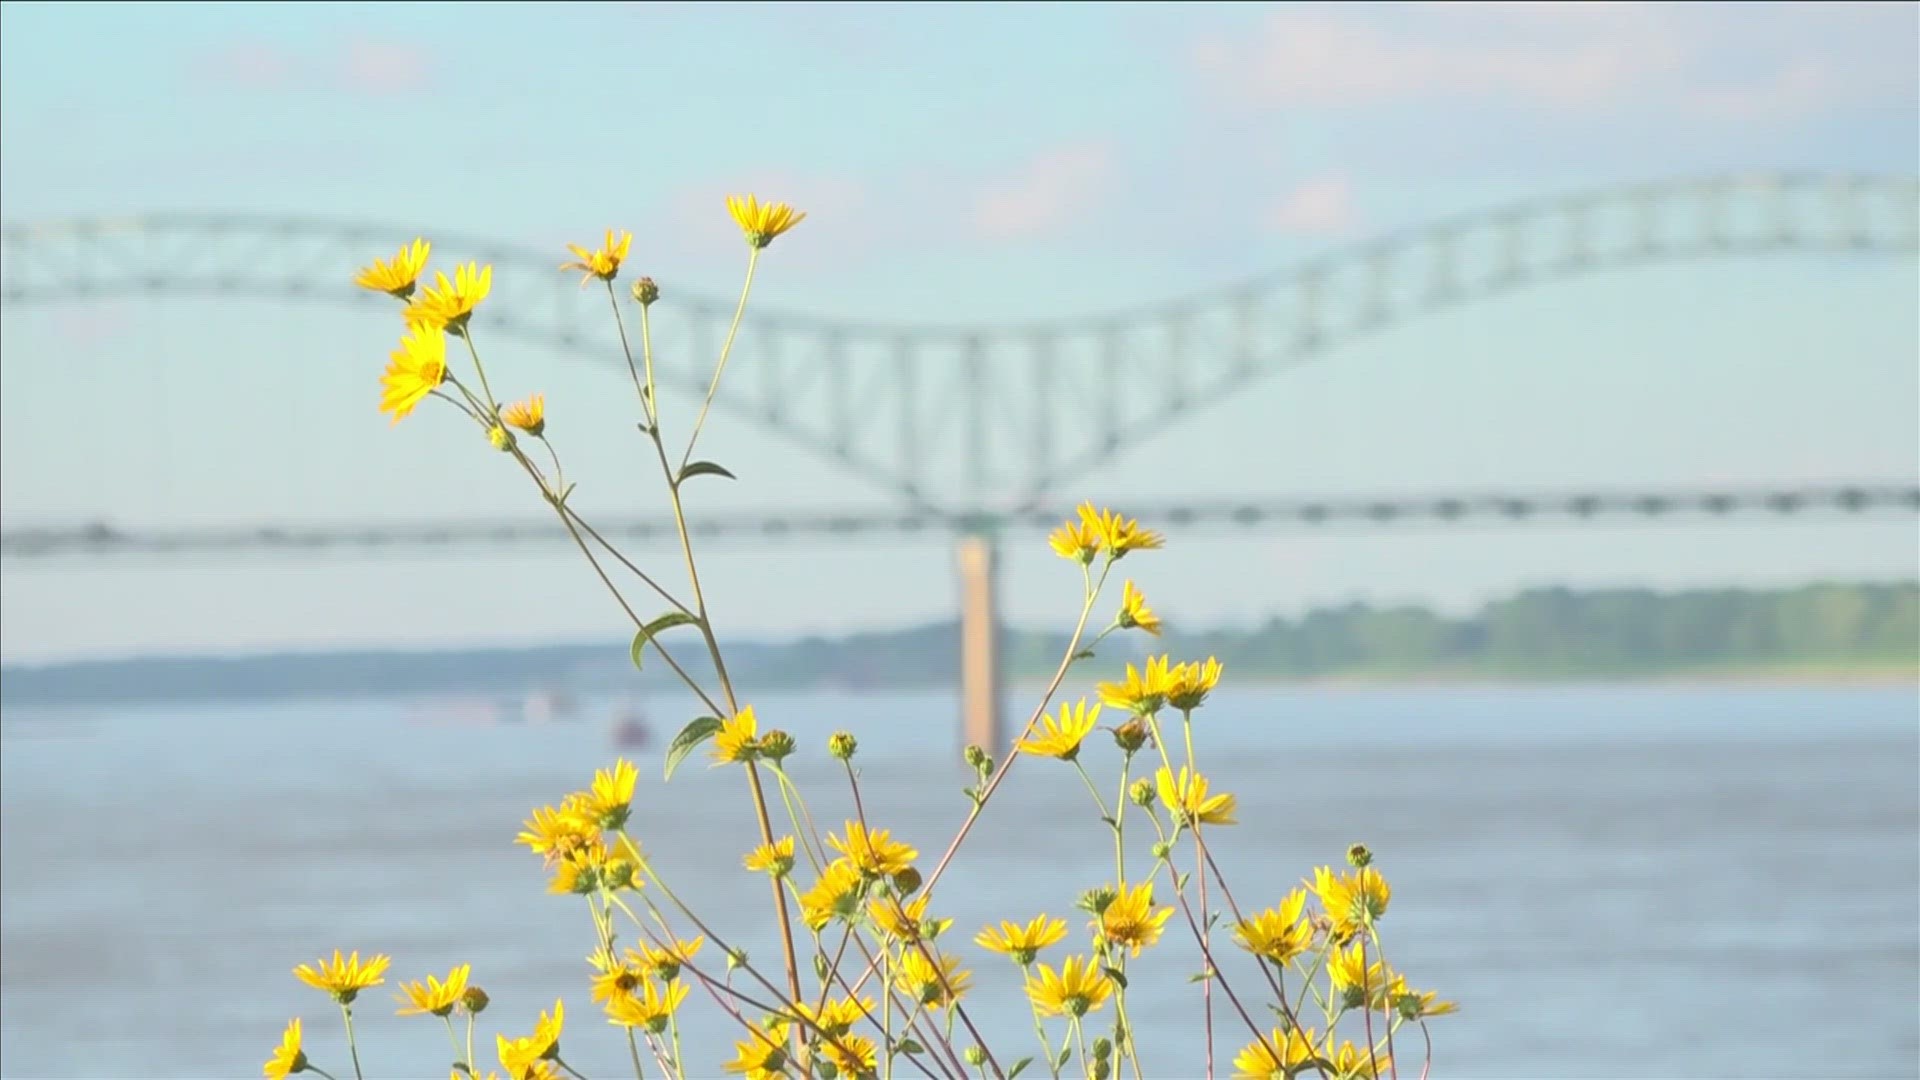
(959, 164)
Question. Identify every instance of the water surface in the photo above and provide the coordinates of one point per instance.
(1613, 882)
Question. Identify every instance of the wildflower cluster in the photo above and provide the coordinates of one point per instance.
(856, 907)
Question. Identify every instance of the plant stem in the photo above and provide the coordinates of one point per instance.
(646, 398)
(726, 349)
(346, 1012)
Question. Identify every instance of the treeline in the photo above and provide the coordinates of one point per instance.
(1541, 633)
(1566, 632)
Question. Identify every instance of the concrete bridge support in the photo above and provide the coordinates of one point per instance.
(979, 645)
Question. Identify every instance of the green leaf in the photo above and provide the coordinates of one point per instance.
(1119, 977)
(644, 429)
(691, 736)
(652, 630)
(1065, 1053)
(1083, 654)
(1180, 883)
(820, 967)
(702, 468)
(908, 1046)
(1019, 1067)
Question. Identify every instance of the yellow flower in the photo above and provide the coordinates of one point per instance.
(764, 1055)
(288, 1057)
(397, 276)
(1189, 684)
(616, 977)
(874, 853)
(837, 1016)
(612, 792)
(604, 263)
(520, 1057)
(529, 416)
(344, 979)
(1061, 738)
(579, 869)
(1076, 540)
(1022, 943)
(775, 858)
(1352, 901)
(853, 1056)
(908, 921)
(1415, 1004)
(1187, 800)
(1279, 934)
(1080, 988)
(650, 1009)
(551, 833)
(835, 895)
(1135, 612)
(917, 977)
(664, 961)
(761, 222)
(434, 996)
(1130, 920)
(1355, 1063)
(414, 370)
(737, 739)
(1357, 981)
(1142, 694)
(1280, 1056)
(1118, 534)
(447, 305)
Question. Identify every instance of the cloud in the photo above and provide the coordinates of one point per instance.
(1320, 206)
(360, 65)
(1338, 58)
(249, 65)
(381, 67)
(1705, 60)
(1048, 193)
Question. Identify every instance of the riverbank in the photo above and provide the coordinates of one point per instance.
(1839, 674)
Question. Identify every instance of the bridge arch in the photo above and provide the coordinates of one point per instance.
(923, 388)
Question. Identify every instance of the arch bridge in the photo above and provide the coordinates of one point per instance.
(999, 393)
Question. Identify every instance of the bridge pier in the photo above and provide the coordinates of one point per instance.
(977, 557)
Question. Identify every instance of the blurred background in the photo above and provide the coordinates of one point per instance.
(1529, 393)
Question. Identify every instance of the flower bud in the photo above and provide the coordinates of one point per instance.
(474, 1000)
(907, 881)
(500, 437)
(842, 745)
(618, 873)
(977, 759)
(1094, 901)
(1358, 856)
(645, 291)
(1161, 849)
(776, 744)
(1102, 1069)
(976, 1056)
(1141, 793)
(1102, 1048)
(1132, 735)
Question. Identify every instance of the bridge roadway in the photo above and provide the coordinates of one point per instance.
(102, 540)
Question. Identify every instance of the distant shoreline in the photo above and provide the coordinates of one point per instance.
(1839, 676)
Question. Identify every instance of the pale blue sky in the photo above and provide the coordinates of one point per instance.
(958, 163)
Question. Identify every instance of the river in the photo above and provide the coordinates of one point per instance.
(1620, 882)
